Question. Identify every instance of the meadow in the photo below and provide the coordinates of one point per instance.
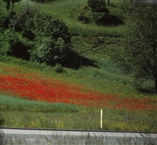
(34, 99)
(34, 95)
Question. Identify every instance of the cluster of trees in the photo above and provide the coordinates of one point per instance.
(34, 36)
(99, 14)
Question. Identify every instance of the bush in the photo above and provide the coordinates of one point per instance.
(99, 17)
(85, 16)
(101, 14)
(98, 6)
(50, 51)
(59, 68)
(47, 25)
(52, 41)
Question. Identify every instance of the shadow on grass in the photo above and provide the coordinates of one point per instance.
(150, 91)
(74, 61)
(70, 58)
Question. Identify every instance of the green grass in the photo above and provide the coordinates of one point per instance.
(10, 103)
(81, 120)
(108, 79)
(69, 10)
(17, 112)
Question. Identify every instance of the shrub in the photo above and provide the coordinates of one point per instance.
(101, 13)
(59, 68)
(47, 25)
(50, 51)
(85, 16)
(98, 6)
(52, 41)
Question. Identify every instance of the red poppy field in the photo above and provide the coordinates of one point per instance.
(32, 86)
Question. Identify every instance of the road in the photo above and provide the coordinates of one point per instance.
(12, 136)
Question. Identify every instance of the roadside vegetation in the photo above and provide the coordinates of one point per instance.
(61, 75)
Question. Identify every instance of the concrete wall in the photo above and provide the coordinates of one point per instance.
(47, 137)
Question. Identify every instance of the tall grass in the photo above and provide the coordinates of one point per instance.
(18, 112)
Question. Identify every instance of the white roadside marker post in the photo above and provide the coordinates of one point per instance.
(101, 117)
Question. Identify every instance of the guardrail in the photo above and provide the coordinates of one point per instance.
(21, 136)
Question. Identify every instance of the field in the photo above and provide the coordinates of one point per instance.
(35, 95)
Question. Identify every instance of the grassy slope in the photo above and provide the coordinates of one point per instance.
(21, 113)
(69, 11)
(107, 79)
(95, 42)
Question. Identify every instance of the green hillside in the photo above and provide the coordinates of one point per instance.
(84, 56)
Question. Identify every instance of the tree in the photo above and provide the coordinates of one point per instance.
(140, 51)
(97, 5)
(9, 2)
(52, 38)
(99, 11)
(108, 2)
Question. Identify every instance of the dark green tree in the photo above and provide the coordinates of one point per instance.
(99, 11)
(97, 5)
(52, 38)
(47, 25)
(3, 14)
(100, 14)
(108, 2)
(140, 42)
(10, 3)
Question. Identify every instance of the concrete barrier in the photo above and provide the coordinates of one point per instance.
(74, 137)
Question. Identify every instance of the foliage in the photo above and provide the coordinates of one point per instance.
(99, 10)
(19, 46)
(3, 14)
(10, 3)
(38, 37)
(140, 52)
(100, 14)
(47, 25)
(98, 6)
(58, 68)
(85, 16)
(50, 51)
(52, 39)
(14, 39)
